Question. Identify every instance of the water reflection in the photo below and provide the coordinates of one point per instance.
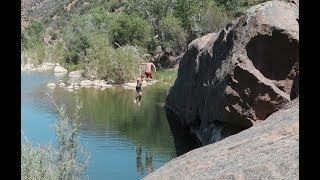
(139, 162)
(114, 110)
(184, 141)
(148, 167)
(111, 124)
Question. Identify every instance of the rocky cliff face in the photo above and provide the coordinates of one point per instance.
(269, 150)
(230, 80)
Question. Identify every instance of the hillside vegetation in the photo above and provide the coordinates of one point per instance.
(109, 38)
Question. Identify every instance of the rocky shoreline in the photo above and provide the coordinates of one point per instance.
(76, 80)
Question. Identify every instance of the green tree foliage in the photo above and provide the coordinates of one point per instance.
(79, 30)
(76, 36)
(32, 36)
(133, 30)
(152, 10)
(173, 34)
(189, 11)
(172, 24)
(184, 10)
(32, 42)
(237, 7)
(55, 53)
(212, 19)
(99, 18)
(105, 62)
(114, 4)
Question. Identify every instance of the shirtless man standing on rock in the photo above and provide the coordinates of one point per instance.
(148, 72)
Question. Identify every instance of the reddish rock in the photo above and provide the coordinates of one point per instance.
(268, 150)
(229, 80)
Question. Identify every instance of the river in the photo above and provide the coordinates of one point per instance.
(112, 126)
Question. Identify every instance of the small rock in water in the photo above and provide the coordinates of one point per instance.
(85, 83)
(76, 74)
(70, 87)
(131, 84)
(59, 69)
(62, 84)
(51, 85)
(107, 86)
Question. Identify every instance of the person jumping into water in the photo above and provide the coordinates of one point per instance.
(148, 72)
(138, 89)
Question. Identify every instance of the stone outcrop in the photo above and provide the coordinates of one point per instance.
(51, 85)
(39, 68)
(268, 150)
(76, 74)
(165, 60)
(233, 79)
(86, 83)
(59, 69)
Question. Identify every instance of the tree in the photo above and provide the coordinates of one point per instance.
(151, 10)
(189, 12)
(76, 36)
(173, 34)
(237, 7)
(213, 19)
(133, 30)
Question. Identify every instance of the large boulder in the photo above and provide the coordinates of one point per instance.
(269, 150)
(59, 69)
(86, 83)
(76, 74)
(45, 67)
(231, 80)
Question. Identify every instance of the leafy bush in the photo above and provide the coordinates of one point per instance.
(114, 4)
(76, 36)
(99, 18)
(237, 7)
(213, 19)
(56, 52)
(169, 75)
(105, 62)
(32, 36)
(79, 31)
(52, 33)
(35, 55)
(152, 10)
(133, 30)
(173, 34)
(68, 161)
